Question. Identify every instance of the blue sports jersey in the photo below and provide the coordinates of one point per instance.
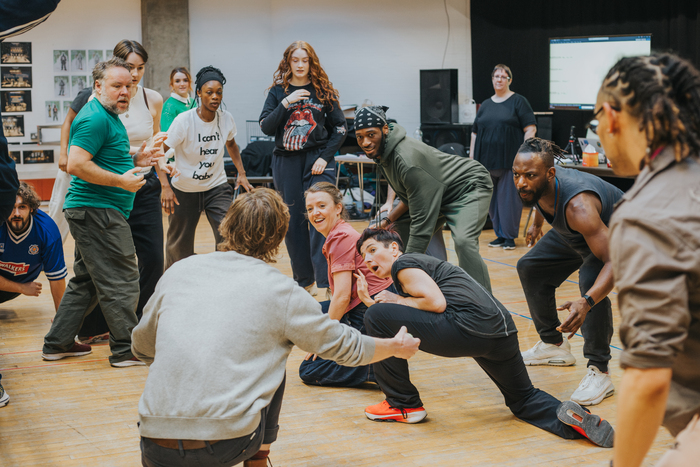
(22, 257)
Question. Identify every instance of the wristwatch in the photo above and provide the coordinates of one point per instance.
(589, 300)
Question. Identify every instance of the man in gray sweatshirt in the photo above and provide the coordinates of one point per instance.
(217, 333)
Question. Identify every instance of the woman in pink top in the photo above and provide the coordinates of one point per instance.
(324, 208)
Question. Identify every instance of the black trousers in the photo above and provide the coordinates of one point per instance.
(146, 224)
(500, 358)
(292, 176)
(544, 268)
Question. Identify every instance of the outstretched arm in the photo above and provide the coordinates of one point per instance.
(583, 216)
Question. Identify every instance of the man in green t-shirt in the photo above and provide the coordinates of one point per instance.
(97, 206)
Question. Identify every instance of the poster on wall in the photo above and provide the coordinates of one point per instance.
(15, 156)
(61, 86)
(77, 60)
(94, 57)
(78, 83)
(53, 111)
(16, 77)
(16, 101)
(13, 126)
(60, 61)
(66, 107)
(41, 156)
(15, 52)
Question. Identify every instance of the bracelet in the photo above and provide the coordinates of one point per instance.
(285, 99)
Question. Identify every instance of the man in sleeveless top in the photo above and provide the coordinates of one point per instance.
(578, 206)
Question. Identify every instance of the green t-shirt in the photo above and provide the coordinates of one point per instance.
(103, 135)
(172, 108)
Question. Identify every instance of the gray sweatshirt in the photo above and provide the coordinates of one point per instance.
(216, 334)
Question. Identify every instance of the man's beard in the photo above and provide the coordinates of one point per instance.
(537, 195)
(380, 148)
(111, 106)
(12, 222)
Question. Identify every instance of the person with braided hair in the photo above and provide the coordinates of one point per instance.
(649, 124)
(302, 111)
(578, 206)
(199, 138)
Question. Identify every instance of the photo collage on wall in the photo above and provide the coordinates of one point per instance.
(72, 72)
(16, 81)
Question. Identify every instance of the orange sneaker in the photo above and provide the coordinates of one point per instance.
(383, 412)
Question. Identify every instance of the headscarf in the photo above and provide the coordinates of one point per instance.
(370, 117)
(209, 73)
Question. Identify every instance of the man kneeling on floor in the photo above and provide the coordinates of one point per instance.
(454, 316)
(218, 398)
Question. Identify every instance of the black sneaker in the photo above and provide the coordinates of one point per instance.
(498, 242)
(4, 397)
(508, 244)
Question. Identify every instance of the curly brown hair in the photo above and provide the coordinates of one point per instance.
(325, 91)
(29, 196)
(255, 225)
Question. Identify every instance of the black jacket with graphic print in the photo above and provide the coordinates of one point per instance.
(305, 125)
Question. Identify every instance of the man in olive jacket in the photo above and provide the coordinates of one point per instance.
(434, 188)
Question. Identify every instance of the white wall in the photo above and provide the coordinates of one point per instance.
(370, 49)
(76, 24)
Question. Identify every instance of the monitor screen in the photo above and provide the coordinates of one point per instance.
(577, 66)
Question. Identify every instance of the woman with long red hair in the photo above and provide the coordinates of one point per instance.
(302, 112)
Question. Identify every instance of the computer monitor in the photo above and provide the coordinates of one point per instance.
(577, 66)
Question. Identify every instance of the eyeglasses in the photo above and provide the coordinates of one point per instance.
(499, 77)
(593, 123)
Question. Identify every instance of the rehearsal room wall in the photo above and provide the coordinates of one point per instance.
(517, 33)
(76, 24)
(370, 50)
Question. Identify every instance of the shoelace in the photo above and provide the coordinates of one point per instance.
(586, 381)
(403, 413)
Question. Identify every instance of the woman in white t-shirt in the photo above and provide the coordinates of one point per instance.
(198, 138)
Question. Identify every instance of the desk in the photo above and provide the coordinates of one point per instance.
(623, 182)
(360, 161)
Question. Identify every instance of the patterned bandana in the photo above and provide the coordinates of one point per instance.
(370, 117)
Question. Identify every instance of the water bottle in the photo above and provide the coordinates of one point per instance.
(418, 134)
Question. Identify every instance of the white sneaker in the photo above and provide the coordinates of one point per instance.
(311, 288)
(594, 387)
(549, 354)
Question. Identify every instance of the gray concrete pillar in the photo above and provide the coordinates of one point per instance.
(165, 26)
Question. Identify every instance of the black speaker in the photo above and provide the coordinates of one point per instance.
(544, 125)
(438, 96)
(438, 135)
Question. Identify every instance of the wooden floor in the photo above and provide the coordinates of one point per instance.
(82, 412)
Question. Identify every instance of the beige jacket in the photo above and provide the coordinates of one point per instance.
(655, 249)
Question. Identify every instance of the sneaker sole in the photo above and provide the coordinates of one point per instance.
(555, 361)
(597, 400)
(496, 246)
(5, 399)
(411, 417)
(127, 364)
(597, 430)
(509, 248)
(58, 356)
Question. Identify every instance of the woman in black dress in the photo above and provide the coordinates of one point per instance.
(503, 122)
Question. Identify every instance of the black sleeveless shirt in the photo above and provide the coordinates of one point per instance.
(469, 305)
(571, 182)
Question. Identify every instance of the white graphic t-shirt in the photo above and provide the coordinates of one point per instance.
(199, 149)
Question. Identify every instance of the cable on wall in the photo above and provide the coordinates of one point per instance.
(447, 41)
